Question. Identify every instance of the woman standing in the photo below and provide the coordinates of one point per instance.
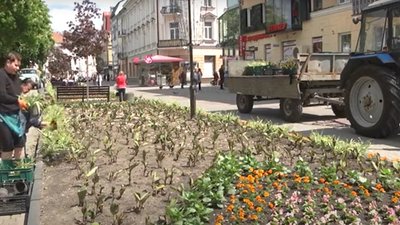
(120, 82)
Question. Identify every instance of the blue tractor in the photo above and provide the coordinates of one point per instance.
(371, 77)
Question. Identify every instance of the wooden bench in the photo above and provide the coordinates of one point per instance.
(80, 92)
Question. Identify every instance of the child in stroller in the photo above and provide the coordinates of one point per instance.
(214, 82)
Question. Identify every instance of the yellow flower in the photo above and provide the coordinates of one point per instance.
(259, 209)
(266, 194)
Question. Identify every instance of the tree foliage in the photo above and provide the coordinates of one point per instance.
(231, 19)
(25, 27)
(83, 38)
(59, 63)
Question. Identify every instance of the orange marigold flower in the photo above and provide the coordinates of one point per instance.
(245, 192)
(275, 184)
(378, 186)
(397, 193)
(271, 205)
(266, 193)
(217, 223)
(253, 217)
(395, 199)
(230, 208)
(371, 155)
(366, 193)
(219, 219)
(353, 193)
(269, 171)
(336, 182)
(259, 209)
(251, 169)
(233, 218)
(382, 190)
(383, 158)
(297, 179)
(260, 186)
(321, 180)
(306, 179)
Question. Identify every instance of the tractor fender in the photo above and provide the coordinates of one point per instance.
(356, 61)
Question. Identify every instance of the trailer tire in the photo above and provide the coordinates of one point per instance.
(339, 110)
(291, 109)
(372, 99)
(244, 103)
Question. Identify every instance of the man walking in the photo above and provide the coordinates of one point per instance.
(221, 76)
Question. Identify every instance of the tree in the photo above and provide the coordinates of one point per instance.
(59, 63)
(83, 38)
(25, 28)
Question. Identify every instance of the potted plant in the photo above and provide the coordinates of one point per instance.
(289, 66)
(259, 68)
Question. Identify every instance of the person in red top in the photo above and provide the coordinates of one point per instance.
(120, 82)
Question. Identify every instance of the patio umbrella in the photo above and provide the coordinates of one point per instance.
(160, 59)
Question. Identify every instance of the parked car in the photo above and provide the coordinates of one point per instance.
(32, 74)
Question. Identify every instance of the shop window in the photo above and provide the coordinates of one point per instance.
(345, 42)
(268, 51)
(317, 44)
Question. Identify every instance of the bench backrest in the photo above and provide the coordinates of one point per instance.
(80, 92)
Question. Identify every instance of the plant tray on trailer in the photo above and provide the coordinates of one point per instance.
(14, 170)
(13, 201)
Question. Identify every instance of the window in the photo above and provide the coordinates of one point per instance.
(208, 30)
(345, 42)
(343, 1)
(317, 44)
(288, 47)
(174, 30)
(207, 2)
(268, 52)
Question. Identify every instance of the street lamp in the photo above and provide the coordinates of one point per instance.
(191, 89)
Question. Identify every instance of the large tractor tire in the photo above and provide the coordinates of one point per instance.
(291, 109)
(244, 103)
(373, 101)
(339, 110)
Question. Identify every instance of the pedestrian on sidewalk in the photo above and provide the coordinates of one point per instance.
(11, 129)
(200, 75)
(120, 82)
(221, 76)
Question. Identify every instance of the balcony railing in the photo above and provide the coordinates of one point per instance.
(359, 5)
(171, 9)
(172, 43)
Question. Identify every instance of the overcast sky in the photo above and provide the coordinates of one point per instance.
(62, 11)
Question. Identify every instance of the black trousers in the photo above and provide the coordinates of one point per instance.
(9, 140)
(121, 94)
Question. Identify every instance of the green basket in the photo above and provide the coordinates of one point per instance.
(15, 170)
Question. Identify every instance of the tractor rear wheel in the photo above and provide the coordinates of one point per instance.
(372, 101)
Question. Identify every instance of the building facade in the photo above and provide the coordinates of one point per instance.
(276, 30)
(141, 28)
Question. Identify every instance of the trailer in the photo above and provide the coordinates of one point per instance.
(364, 86)
(316, 82)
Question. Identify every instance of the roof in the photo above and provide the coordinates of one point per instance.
(380, 3)
(118, 7)
(57, 37)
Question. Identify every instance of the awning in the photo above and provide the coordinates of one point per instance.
(160, 59)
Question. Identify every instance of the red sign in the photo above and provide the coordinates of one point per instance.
(276, 27)
(136, 60)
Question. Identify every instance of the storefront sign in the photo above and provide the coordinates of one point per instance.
(276, 27)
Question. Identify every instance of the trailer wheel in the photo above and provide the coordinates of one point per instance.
(291, 109)
(244, 103)
(339, 110)
(373, 101)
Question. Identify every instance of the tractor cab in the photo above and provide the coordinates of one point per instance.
(380, 28)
